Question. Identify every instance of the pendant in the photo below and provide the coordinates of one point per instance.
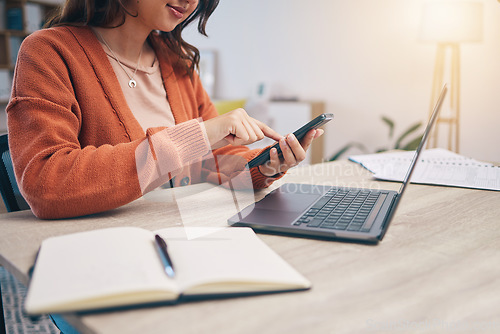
(132, 83)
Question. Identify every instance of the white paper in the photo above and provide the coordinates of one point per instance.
(435, 166)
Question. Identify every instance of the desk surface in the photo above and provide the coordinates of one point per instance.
(437, 269)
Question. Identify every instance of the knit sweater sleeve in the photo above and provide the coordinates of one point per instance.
(63, 168)
(228, 161)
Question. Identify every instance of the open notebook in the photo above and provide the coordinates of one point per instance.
(120, 266)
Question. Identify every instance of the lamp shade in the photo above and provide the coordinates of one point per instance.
(452, 21)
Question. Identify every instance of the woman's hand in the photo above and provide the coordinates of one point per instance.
(236, 128)
(293, 152)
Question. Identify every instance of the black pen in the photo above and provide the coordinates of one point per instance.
(165, 258)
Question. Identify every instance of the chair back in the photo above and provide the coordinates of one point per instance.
(11, 195)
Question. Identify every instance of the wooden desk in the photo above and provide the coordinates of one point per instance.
(436, 271)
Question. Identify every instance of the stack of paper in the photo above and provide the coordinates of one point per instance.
(436, 166)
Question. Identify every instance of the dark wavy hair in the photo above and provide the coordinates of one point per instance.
(105, 13)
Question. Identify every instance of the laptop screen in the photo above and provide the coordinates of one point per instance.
(419, 149)
(427, 131)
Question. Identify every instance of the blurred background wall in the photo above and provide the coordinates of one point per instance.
(363, 58)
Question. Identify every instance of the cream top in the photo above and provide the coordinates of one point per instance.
(148, 100)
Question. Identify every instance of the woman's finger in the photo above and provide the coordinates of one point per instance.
(268, 131)
(296, 148)
(308, 139)
(287, 153)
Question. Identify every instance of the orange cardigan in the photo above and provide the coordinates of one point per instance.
(77, 148)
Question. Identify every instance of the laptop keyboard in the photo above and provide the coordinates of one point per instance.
(341, 209)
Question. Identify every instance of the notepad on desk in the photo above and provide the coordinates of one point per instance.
(436, 167)
(120, 266)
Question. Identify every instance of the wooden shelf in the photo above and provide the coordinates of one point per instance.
(20, 17)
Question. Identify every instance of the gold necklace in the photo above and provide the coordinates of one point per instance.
(132, 83)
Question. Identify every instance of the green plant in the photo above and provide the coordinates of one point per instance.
(346, 148)
(410, 144)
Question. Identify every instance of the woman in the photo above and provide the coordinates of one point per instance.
(106, 106)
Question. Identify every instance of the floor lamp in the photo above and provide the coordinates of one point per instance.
(449, 24)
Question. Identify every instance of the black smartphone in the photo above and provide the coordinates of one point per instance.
(299, 134)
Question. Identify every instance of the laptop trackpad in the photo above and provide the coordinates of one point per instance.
(287, 202)
(278, 208)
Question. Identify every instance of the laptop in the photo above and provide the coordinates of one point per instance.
(328, 212)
